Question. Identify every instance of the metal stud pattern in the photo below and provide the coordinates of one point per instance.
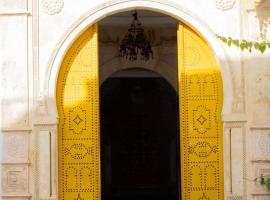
(78, 130)
(200, 87)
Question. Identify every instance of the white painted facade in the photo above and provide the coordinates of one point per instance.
(35, 35)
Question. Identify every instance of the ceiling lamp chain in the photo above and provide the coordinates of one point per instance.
(135, 42)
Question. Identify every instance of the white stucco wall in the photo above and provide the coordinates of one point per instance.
(34, 37)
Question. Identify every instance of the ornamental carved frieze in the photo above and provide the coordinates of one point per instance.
(260, 96)
(52, 7)
(15, 179)
(261, 141)
(15, 148)
(224, 4)
(42, 107)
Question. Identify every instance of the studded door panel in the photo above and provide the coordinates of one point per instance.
(200, 87)
(78, 130)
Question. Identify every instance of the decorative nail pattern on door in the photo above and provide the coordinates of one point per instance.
(200, 87)
(200, 91)
(78, 130)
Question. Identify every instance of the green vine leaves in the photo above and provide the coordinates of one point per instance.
(245, 44)
(264, 181)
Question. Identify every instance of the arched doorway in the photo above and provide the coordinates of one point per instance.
(200, 119)
(139, 137)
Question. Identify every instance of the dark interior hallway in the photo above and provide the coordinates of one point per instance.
(139, 139)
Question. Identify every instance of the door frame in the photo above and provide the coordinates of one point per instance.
(177, 11)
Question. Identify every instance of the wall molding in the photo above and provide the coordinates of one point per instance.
(259, 127)
(16, 13)
(17, 129)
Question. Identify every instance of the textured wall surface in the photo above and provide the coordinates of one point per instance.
(34, 32)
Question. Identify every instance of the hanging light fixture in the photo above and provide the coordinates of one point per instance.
(135, 43)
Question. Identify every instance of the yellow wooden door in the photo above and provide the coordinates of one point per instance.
(78, 129)
(200, 90)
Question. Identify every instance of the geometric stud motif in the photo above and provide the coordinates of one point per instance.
(77, 120)
(201, 87)
(78, 151)
(201, 95)
(78, 197)
(202, 149)
(204, 197)
(78, 128)
(201, 119)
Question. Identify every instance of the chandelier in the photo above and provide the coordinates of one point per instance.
(135, 43)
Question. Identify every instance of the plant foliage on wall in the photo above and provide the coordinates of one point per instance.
(265, 181)
(245, 44)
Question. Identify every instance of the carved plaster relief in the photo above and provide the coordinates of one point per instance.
(15, 180)
(42, 107)
(52, 7)
(258, 92)
(262, 8)
(261, 140)
(238, 91)
(15, 148)
(261, 98)
(259, 18)
(261, 169)
(224, 4)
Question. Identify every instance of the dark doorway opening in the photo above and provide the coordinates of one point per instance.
(139, 139)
